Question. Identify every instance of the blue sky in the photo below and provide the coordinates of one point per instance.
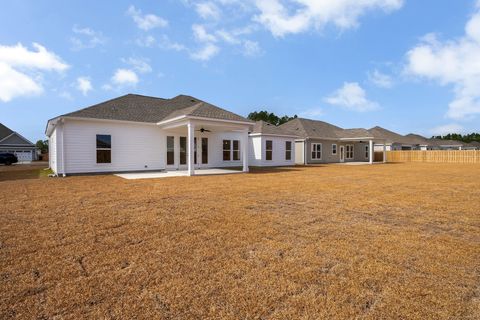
(410, 66)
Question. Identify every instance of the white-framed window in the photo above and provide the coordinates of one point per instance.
(334, 149)
(316, 151)
(288, 150)
(231, 150)
(269, 150)
(367, 153)
(349, 151)
(236, 150)
(104, 148)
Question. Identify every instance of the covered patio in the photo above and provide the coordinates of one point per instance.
(371, 142)
(172, 174)
(195, 144)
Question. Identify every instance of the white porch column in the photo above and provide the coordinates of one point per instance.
(384, 152)
(245, 151)
(370, 150)
(190, 146)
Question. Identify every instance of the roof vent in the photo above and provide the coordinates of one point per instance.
(192, 100)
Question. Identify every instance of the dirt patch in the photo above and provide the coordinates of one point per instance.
(327, 242)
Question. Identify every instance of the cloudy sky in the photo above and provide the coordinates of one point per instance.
(410, 66)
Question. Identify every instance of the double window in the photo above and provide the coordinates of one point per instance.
(288, 150)
(349, 151)
(334, 149)
(269, 150)
(104, 148)
(316, 151)
(231, 150)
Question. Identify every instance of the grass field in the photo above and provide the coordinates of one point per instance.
(395, 241)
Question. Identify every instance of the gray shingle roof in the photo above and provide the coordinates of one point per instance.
(267, 128)
(416, 139)
(444, 143)
(4, 131)
(138, 108)
(316, 129)
(389, 136)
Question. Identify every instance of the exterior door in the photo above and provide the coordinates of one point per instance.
(204, 152)
(342, 154)
(170, 161)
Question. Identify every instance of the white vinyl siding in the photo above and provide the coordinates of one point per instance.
(257, 151)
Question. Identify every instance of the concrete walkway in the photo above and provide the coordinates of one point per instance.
(176, 173)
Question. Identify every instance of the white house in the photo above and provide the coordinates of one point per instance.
(140, 133)
(271, 146)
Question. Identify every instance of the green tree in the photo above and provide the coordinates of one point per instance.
(42, 145)
(459, 137)
(269, 117)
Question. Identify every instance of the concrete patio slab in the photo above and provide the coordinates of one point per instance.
(176, 173)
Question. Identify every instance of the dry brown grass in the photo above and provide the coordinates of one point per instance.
(341, 242)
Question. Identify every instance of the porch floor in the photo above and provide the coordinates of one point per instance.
(357, 163)
(176, 173)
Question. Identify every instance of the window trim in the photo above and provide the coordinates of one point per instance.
(336, 149)
(313, 150)
(288, 151)
(267, 150)
(102, 149)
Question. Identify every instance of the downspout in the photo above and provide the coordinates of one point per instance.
(63, 148)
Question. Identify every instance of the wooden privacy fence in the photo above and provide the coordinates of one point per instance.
(439, 156)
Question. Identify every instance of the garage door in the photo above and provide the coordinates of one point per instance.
(24, 155)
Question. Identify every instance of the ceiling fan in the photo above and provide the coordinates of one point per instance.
(202, 130)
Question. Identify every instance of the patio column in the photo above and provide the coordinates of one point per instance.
(190, 146)
(370, 151)
(245, 150)
(384, 152)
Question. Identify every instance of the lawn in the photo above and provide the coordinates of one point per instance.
(388, 241)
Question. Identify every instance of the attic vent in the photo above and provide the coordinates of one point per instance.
(192, 100)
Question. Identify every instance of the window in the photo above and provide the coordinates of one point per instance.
(334, 149)
(195, 150)
(268, 150)
(104, 148)
(367, 155)
(183, 150)
(236, 150)
(204, 150)
(316, 151)
(227, 144)
(170, 150)
(349, 152)
(288, 150)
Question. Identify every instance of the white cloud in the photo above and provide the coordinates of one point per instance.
(20, 70)
(282, 17)
(380, 79)
(84, 85)
(146, 22)
(446, 129)
(166, 43)
(201, 34)
(147, 41)
(86, 38)
(251, 48)
(454, 62)
(125, 77)
(206, 52)
(14, 84)
(208, 10)
(138, 64)
(313, 113)
(352, 97)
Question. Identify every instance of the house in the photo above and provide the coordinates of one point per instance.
(140, 133)
(440, 144)
(393, 140)
(419, 141)
(13, 142)
(321, 142)
(474, 145)
(271, 145)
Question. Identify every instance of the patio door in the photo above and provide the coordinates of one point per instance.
(342, 154)
(204, 152)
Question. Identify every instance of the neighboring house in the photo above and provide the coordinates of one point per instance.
(420, 142)
(474, 145)
(393, 141)
(139, 133)
(321, 142)
(440, 144)
(13, 142)
(270, 145)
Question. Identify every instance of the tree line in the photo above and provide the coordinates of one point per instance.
(460, 137)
